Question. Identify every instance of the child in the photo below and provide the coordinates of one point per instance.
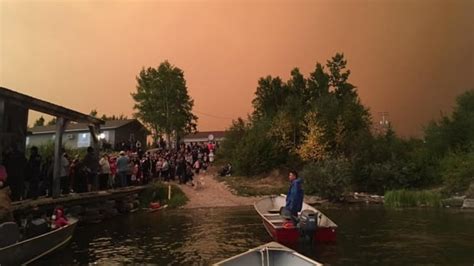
(58, 219)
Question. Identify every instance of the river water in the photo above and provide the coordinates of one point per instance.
(367, 235)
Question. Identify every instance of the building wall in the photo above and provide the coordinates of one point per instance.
(112, 136)
(131, 132)
(70, 139)
(38, 140)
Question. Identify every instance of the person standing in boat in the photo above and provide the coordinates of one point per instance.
(294, 199)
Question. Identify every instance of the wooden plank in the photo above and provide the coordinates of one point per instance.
(46, 107)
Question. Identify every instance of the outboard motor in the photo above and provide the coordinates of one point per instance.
(308, 223)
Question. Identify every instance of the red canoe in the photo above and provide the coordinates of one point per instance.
(283, 230)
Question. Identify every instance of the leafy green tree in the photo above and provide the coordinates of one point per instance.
(318, 84)
(270, 97)
(338, 77)
(329, 178)
(457, 170)
(257, 152)
(162, 101)
(449, 145)
(39, 122)
(233, 136)
(455, 133)
(296, 104)
(340, 114)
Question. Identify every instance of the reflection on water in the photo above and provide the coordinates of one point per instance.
(367, 235)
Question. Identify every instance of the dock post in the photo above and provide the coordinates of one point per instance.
(58, 155)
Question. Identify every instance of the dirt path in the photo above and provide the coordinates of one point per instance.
(212, 193)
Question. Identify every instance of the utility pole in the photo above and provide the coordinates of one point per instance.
(384, 123)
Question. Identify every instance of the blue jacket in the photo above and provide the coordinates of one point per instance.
(294, 199)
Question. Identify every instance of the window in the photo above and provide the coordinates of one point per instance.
(84, 140)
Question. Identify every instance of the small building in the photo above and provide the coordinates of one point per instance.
(114, 134)
(14, 109)
(204, 136)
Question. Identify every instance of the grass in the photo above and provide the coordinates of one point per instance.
(158, 191)
(273, 184)
(411, 198)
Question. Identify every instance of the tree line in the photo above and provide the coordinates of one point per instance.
(318, 124)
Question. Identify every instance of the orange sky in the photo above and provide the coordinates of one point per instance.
(408, 58)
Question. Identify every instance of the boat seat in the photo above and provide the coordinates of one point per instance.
(36, 227)
(279, 219)
(10, 234)
(271, 214)
(277, 211)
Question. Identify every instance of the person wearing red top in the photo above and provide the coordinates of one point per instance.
(59, 220)
(3, 176)
(113, 171)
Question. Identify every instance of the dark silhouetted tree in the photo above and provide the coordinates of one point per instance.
(93, 113)
(39, 122)
(52, 122)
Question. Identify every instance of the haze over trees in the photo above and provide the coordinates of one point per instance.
(318, 124)
(162, 101)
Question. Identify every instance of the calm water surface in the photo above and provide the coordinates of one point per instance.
(366, 236)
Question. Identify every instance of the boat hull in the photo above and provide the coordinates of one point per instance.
(282, 235)
(270, 254)
(284, 231)
(29, 250)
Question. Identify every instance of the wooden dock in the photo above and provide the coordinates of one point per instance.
(24, 206)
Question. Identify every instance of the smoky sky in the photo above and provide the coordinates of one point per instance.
(408, 58)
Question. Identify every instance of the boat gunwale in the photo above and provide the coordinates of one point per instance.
(271, 246)
(73, 223)
(304, 205)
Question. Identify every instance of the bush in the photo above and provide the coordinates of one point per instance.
(158, 191)
(372, 177)
(47, 151)
(457, 171)
(329, 179)
(257, 152)
(389, 175)
(409, 198)
(233, 137)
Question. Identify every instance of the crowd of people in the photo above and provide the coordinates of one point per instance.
(31, 178)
